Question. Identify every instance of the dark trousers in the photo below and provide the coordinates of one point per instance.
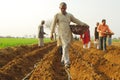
(102, 42)
(60, 50)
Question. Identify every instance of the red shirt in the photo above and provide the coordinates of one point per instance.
(86, 37)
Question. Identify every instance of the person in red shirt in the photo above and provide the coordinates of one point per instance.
(86, 39)
(103, 29)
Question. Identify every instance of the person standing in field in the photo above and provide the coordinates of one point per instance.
(110, 39)
(86, 39)
(41, 34)
(103, 29)
(96, 35)
(63, 19)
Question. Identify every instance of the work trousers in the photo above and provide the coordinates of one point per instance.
(40, 42)
(102, 41)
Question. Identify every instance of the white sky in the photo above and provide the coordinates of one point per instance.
(22, 17)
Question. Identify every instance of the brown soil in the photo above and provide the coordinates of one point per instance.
(86, 64)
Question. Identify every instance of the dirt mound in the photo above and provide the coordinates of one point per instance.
(50, 68)
(10, 53)
(86, 64)
(4, 76)
(23, 64)
(94, 64)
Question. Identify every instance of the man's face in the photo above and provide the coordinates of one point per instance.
(103, 22)
(97, 24)
(43, 22)
(63, 9)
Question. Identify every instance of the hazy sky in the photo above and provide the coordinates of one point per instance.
(22, 17)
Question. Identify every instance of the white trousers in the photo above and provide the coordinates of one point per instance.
(40, 42)
(65, 54)
(86, 45)
(96, 43)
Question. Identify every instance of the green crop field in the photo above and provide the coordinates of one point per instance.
(116, 40)
(9, 42)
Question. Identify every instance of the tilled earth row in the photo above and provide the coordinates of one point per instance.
(86, 64)
(23, 63)
(93, 64)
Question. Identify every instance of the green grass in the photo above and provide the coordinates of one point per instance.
(116, 40)
(9, 42)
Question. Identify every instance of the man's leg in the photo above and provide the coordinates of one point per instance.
(59, 44)
(84, 46)
(101, 43)
(88, 44)
(109, 41)
(38, 42)
(65, 55)
(97, 46)
(60, 50)
(104, 43)
(41, 42)
(97, 43)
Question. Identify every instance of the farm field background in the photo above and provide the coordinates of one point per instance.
(10, 42)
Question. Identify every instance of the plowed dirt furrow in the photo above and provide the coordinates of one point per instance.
(10, 53)
(86, 64)
(22, 65)
(86, 69)
(89, 62)
(50, 68)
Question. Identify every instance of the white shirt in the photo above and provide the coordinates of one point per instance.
(63, 22)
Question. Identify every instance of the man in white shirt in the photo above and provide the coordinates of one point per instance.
(63, 19)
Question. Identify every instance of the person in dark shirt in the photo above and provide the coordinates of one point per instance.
(96, 35)
(41, 34)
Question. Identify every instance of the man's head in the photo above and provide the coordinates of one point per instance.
(42, 22)
(103, 21)
(97, 24)
(63, 7)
